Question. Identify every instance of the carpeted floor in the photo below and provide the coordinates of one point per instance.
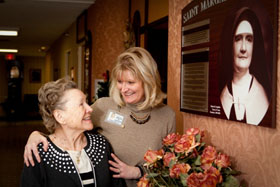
(13, 136)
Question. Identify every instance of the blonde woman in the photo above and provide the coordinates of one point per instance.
(133, 118)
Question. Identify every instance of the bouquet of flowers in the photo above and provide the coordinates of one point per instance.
(185, 160)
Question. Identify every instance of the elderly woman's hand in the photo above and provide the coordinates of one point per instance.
(123, 170)
(34, 139)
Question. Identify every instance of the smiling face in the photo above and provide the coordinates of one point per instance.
(243, 46)
(76, 112)
(131, 89)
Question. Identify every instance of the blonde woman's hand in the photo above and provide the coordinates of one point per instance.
(122, 170)
(34, 139)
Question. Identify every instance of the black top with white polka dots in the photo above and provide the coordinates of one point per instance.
(57, 168)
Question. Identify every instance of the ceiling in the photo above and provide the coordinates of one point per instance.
(40, 22)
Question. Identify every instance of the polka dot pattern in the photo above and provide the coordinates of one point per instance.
(96, 149)
(61, 160)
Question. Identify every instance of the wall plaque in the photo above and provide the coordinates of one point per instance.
(228, 60)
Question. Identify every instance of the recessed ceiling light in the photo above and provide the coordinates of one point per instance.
(8, 33)
(8, 50)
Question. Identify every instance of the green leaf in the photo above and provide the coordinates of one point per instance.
(183, 178)
(171, 163)
(197, 161)
(231, 181)
(151, 175)
(201, 146)
(198, 169)
(234, 172)
(197, 138)
(229, 171)
(165, 175)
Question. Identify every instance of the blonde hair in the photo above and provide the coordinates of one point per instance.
(50, 98)
(143, 67)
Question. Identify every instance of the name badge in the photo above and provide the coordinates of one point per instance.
(115, 118)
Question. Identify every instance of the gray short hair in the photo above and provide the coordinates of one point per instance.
(49, 96)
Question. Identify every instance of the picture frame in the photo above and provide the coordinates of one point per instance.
(35, 75)
(208, 67)
(97, 85)
(81, 27)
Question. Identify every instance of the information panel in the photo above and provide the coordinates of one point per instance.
(228, 60)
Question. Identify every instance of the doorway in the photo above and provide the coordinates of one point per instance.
(156, 43)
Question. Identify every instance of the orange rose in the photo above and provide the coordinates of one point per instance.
(171, 139)
(152, 156)
(177, 169)
(186, 144)
(209, 181)
(194, 180)
(208, 156)
(194, 131)
(167, 158)
(143, 182)
(210, 178)
(222, 160)
(182, 145)
(214, 172)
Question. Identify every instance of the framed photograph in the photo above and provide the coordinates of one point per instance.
(229, 60)
(97, 85)
(81, 27)
(35, 75)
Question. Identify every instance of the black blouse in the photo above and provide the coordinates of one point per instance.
(57, 168)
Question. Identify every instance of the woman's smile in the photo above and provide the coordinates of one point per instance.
(130, 88)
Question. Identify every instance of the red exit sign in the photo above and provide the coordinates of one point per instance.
(9, 57)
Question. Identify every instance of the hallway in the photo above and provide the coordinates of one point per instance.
(13, 136)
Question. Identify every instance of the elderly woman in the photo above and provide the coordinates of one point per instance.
(133, 118)
(74, 157)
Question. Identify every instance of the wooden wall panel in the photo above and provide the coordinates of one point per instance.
(255, 150)
(106, 20)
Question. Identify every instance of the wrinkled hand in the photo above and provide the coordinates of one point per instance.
(34, 139)
(123, 170)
